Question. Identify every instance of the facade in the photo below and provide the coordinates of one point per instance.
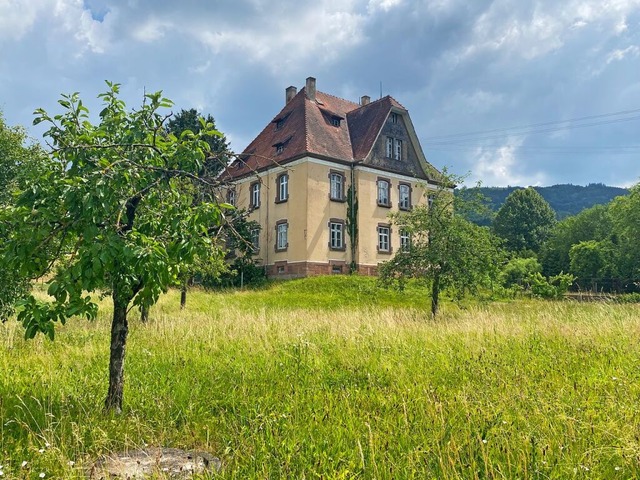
(322, 178)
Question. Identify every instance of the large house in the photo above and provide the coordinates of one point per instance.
(322, 178)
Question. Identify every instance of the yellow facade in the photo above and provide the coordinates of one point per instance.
(309, 209)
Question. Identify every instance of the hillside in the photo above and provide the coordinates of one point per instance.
(565, 199)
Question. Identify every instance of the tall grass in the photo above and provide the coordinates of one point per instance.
(332, 378)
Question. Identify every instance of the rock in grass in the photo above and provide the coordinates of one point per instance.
(156, 462)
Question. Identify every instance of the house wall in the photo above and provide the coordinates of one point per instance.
(308, 211)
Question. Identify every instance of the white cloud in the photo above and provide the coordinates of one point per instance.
(620, 54)
(500, 165)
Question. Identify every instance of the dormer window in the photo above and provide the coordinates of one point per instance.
(281, 121)
(335, 121)
(279, 148)
(395, 118)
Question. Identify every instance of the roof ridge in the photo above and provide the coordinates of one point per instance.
(337, 98)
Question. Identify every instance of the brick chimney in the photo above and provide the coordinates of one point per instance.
(310, 88)
(364, 100)
(291, 92)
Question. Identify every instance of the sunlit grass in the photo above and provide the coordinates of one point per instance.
(333, 378)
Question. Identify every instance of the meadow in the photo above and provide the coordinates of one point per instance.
(333, 378)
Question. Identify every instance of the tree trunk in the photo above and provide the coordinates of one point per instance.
(183, 295)
(119, 332)
(144, 313)
(435, 294)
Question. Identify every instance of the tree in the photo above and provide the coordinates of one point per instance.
(446, 251)
(592, 261)
(625, 215)
(524, 221)
(16, 160)
(590, 224)
(191, 120)
(111, 213)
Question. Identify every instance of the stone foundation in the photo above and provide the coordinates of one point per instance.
(286, 270)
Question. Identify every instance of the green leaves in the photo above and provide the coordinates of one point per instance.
(114, 210)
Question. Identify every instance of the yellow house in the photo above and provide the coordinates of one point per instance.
(322, 178)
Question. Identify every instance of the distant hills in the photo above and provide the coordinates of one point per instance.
(566, 199)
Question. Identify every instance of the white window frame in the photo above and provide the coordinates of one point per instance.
(255, 239)
(404, 196)
(384, 238)
(283, 187)
(336, 186)
(397, 150)
(231, 196)
(389, 147)
(282, 234)
(255, 194)
(384, 187)
(336, 235)
(405, 240)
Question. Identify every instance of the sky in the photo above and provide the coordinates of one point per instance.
(508, 92)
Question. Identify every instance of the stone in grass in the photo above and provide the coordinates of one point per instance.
(153, 463)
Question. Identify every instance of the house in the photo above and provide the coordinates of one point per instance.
(322, 178)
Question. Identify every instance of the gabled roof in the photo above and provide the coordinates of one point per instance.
(327, 127)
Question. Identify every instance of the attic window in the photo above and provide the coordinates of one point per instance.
(279, 148)
(335, 121)
(395, 118)
(281, 121)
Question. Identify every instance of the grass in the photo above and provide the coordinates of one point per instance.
(332, 378)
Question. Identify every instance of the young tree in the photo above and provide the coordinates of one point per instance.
(109, 214)
(524, 220)
(446, 250)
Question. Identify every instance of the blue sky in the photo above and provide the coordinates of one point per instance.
(468, 72)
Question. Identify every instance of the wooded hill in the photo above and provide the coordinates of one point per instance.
(566, 200)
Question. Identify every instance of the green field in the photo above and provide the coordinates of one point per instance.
(333, 378)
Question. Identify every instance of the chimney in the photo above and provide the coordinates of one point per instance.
(364, 100)
(311, 88)
(291, 92)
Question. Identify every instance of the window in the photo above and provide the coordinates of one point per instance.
(430, 199)
(404, 194)
(231, 196)
(336, 234)
(336, 192)
(405, 241)
(398, 149)
(255, 239)
(335, 121)
(279, 148)
(384, 234)
(383, 192)
(394, 148)
(389, 147)
(255, 194)
(282, 234)
(279, 123)
(282, 185)
(394, 118)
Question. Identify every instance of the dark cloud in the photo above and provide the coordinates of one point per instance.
(458, 67)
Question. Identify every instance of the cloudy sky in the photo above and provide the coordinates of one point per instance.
(516, 92)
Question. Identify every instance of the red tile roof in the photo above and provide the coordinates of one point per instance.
(307, 129)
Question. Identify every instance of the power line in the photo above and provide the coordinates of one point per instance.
(532, 128)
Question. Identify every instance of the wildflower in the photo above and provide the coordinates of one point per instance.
(617, 469)
(41, 450)
(47, 444)
(484, 440)
(41, 475)
(24, 464)
(1, 473)
(71, 463)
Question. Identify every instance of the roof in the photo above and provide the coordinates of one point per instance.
(327, 127)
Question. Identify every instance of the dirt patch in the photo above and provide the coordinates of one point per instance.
(153, 463)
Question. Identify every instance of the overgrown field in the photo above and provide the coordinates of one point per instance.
(331, 378)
